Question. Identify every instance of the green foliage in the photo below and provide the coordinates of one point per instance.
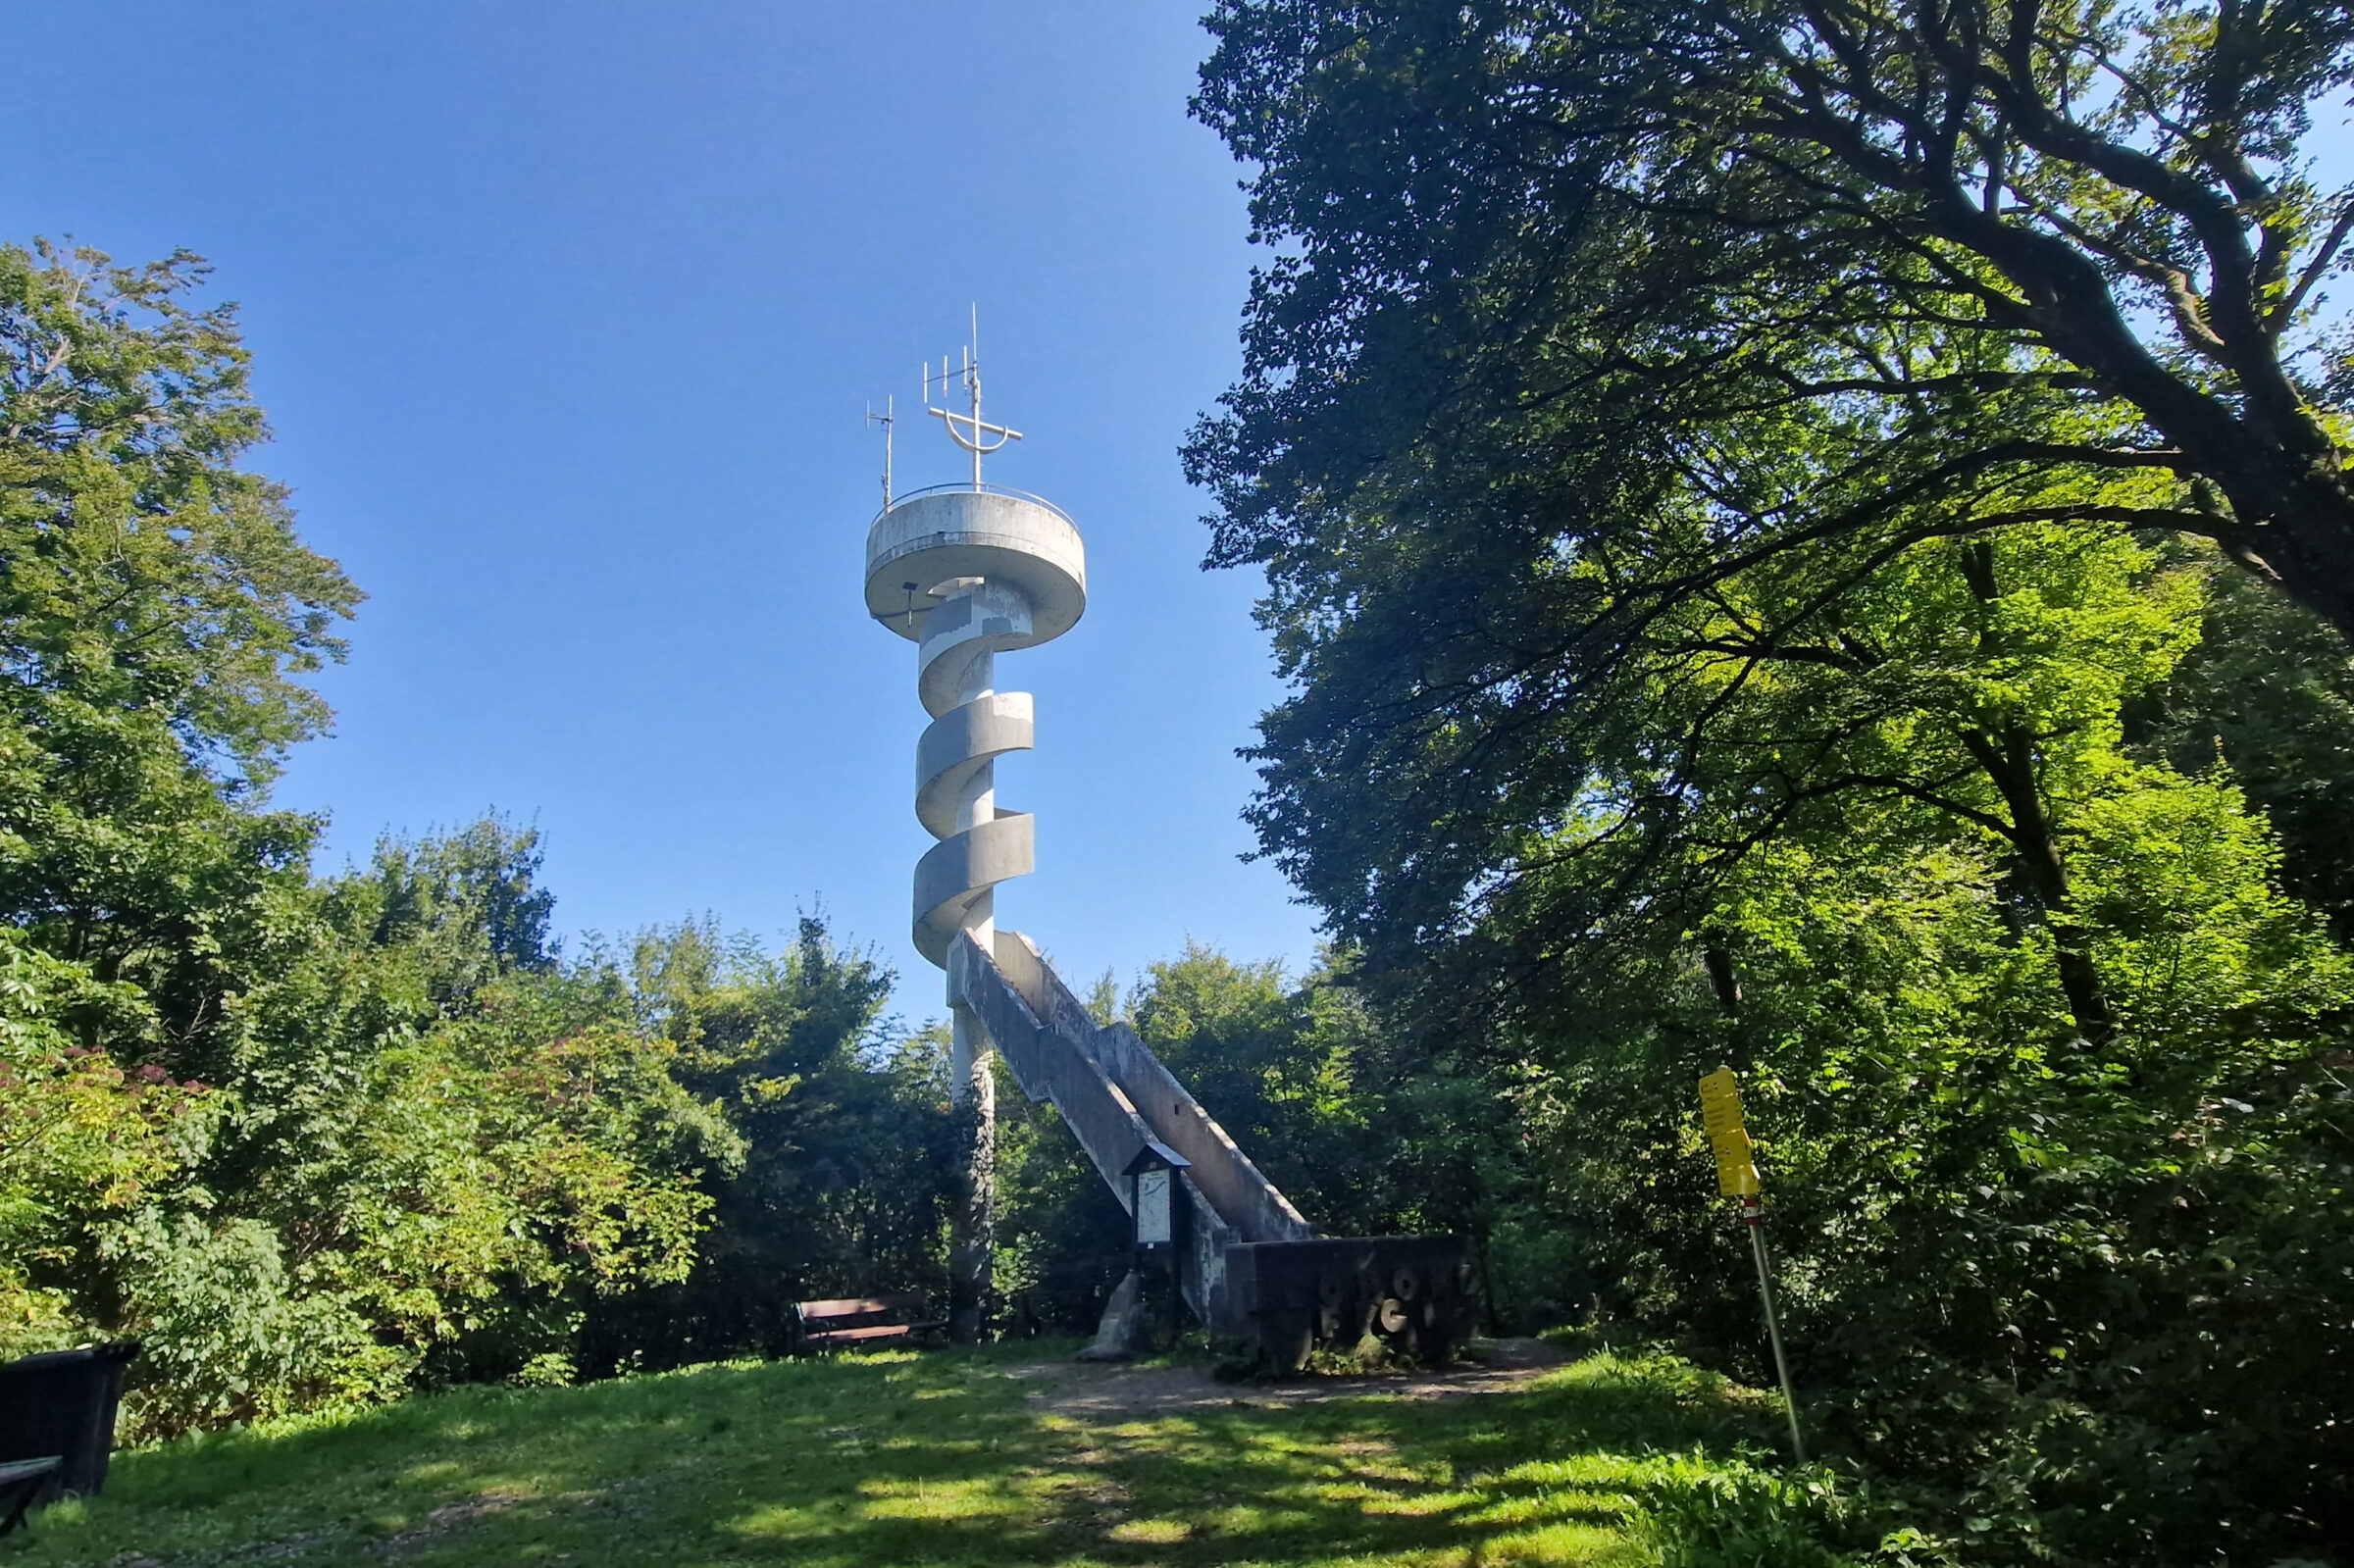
(1726, 1518)
(1691, 521)
(1282, 1079)
(148, 576)
(438, 1159)
(1371, 1131)
(404, 1169)
(2269, 693)
(227, 1333)
(1063, 1240)
(2042, 1063)
(80, 1137)
(317, 1141)
(2032, 1274)
(1539, 251)
(156, 608)
(844, 1168)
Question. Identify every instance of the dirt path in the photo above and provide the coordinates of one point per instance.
(1100, 1392)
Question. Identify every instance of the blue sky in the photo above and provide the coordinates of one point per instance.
(566, 316)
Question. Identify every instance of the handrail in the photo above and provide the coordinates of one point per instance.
(969, 488)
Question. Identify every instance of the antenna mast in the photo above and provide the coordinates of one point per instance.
(968, 429)
(886, 420)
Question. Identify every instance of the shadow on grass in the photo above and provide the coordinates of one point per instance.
(911, 1458)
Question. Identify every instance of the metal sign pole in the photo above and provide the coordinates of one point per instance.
(1752, 1216)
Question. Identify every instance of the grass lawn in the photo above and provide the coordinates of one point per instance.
(941, 1457)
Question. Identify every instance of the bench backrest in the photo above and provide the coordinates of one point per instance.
(858, 1312)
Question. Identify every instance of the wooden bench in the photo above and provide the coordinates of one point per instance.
(859, 1320)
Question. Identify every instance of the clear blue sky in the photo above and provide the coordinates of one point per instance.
(565, 316)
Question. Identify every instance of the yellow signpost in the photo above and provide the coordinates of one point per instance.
(1720, 1114)
(1737, 1178)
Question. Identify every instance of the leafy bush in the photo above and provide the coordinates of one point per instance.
(1719, 1516)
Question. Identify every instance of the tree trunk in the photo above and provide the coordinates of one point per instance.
(2007, 754)
(1722, 978)
(2009, 761)
(2310, 550)
(972, 1225)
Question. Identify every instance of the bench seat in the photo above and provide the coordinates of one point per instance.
(859, 1320)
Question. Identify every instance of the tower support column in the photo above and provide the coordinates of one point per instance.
(972, 1225)
(972, 1082)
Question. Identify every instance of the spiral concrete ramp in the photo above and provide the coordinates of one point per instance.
(967, 575)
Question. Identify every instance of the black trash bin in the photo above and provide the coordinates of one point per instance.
(63, 1403)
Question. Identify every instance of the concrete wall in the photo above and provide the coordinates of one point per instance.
(1254, 1206)
(1050, 1062)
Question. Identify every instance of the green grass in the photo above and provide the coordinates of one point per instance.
(934, 1458)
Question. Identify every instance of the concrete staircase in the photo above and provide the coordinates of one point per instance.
(1247, 1263)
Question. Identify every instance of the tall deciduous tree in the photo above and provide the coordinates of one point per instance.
(1639, 217)
(156, 610)
(1725, 474)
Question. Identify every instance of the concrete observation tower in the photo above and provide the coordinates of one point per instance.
(967, 572)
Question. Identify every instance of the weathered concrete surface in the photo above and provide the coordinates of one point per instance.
(1121, 1334)
(966, 575)
(1241, 1196)
(1000, 537)
(1054, 1059)
(959, 744)
(957, 874)
(1254, 1205)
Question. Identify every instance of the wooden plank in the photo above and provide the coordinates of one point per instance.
(857, 1320)
(19, 1483)
(878, 1331)
(852, 1320)
(860, 1306)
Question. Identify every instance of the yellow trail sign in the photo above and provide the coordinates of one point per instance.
(1720, 1114)
(1737, 1177)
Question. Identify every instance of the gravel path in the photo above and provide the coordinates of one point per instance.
(1096, 1390)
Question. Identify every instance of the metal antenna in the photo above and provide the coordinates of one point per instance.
(970, 430)
(886, 420)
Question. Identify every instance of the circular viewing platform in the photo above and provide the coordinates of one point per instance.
(923, 546)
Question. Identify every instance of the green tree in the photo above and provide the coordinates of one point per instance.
(1063, 1240)
(1567, 235)
(2268, 692)
(1370, 1129)
(1711, 646)
(156, 609)
(845, 1150)
(323, 1139)
(425, 1161)
(81, 1138)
